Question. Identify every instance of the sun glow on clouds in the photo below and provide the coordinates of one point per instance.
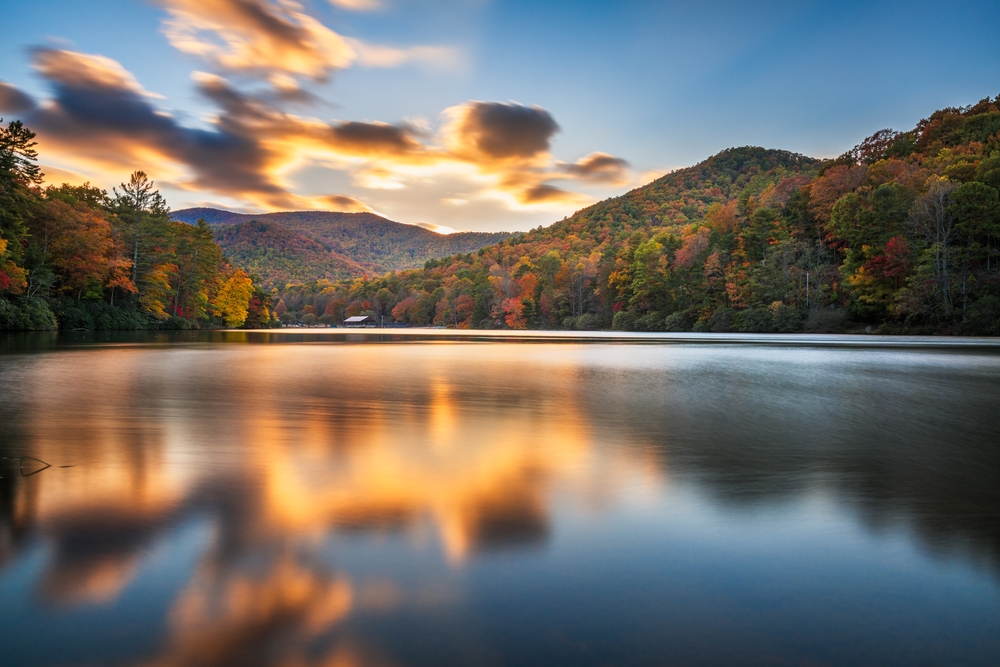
(100, 123)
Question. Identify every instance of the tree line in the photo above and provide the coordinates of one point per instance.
(900, 234)
(78, 257)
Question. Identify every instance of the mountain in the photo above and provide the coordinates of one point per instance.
(901, 233)
(281, 256)
(291, 245)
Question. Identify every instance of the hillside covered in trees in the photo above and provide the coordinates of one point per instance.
(898, 234)
(280, 256)
(301, 246)
(76, 257)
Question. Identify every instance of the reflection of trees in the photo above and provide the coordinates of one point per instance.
(459, 444)
(900, 443)
(272, 467)
(14, 522)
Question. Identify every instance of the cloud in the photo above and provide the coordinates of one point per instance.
(256, 36)
(373, 55)
(357, 5)
(99, 117)
(437, 229)
(57, 176)
(13, 100)
(499, 131)
(102, 116)
(276, 39)
(545, 193)
(344, 203)
(599, 168)
(375, 138)
(509, 143)
(84, 70)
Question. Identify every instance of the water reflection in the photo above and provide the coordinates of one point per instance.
(438, 503)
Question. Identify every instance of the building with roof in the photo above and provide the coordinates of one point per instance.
(360, 321)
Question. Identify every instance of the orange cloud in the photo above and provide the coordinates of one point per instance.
(256, 36)
(86, 70)
(276, 39)
(100, 119)
(57, 176)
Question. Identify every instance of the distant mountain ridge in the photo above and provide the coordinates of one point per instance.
(303, 246)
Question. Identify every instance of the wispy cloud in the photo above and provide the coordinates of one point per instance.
(256, 36)
(357, 5)
(99, 119)
(277, 39)
(599, 168)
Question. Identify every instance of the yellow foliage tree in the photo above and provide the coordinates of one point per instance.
(233, 298)
(156, 296)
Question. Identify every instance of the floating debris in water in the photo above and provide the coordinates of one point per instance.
(32, 469)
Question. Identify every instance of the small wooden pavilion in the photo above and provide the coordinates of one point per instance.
(359, 321)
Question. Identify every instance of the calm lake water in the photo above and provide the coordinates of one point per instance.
(230, 499)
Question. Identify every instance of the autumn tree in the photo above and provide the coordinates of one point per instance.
(19, 173)
(232, 300)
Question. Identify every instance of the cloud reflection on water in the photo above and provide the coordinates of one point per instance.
(449, 452)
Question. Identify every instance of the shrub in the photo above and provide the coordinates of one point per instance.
(720, 321)
(677, 322)
(787, 320)
(623, 321)
(754, 320)
(26, 314)
(174, 323)
(983, 317)
(587, 322)
(102, 316)
(73, 316)
(650, 322)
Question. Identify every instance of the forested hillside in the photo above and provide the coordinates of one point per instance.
(280, 256)
(77, 257)
(373, 244)
(898, 234)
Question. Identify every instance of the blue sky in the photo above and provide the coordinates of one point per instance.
(411, 102)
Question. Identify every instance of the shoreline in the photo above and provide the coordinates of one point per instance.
(63, 339)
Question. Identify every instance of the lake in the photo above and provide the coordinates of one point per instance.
(424, 499)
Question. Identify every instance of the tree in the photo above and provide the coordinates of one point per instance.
(723, 218)
(976, 207)
(199, 262)
(233, 299)
(18, 174)
(77, 238)
(143, 219)
(12, 277)
(406, 310)
(933, 222)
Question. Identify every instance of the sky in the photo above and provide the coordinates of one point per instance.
(466, 114)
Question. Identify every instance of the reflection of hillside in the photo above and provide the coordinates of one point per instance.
(457, 451)
(891, 439)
